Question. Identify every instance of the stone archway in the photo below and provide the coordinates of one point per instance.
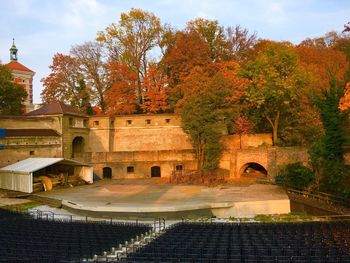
(155, 171)
(107, 172)
(78, 144)
(253, 169)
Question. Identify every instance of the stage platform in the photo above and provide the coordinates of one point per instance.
(153, 198)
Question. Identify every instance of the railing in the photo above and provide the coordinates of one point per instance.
(320, 196)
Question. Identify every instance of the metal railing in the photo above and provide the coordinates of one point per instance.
(320, 196)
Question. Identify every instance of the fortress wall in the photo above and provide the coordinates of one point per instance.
(150, 139)
(23, 122)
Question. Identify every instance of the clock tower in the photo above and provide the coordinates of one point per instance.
(22, 75)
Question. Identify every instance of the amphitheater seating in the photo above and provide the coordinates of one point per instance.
(250, 242)
(24, 239)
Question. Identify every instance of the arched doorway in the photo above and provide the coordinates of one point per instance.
(107, 173)
(155, 171)
(77, 146)
(253, 170)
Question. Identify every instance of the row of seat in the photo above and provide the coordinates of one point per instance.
(226, 242)
(25, 239)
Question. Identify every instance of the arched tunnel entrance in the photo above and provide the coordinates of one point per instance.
(253, 170)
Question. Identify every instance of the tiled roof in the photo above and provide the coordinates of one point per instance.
(14, 65)
(56, 107)
(30, 132)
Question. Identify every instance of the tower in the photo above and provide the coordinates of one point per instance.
(13, 51)
(22, 75)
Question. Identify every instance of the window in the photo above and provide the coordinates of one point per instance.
(148, 121)
(96, 123)
(130, 169)
(70, 121)
(167, 121)
(85, 122)
(31, 152)
(178, 167)
(128, 122)
(112, 123)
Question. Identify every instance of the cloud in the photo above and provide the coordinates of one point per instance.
(83, 13)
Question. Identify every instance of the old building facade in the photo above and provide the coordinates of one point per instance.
(130, 146)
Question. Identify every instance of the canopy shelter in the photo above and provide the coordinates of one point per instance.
(20, 176)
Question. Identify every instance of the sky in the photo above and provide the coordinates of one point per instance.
(42, 28)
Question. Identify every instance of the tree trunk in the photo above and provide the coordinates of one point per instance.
(274, 125)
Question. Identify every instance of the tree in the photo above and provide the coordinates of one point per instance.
(322, 63)
(214, 35)
(209, 98)
(94, 71)
(12, 95)
(62, 83)
(242, 125)
(327, 154)
(188, 51)
(347, 27)
(131, 40)
(274, 83)
(155, 95)
(240, 42)
(121, 97)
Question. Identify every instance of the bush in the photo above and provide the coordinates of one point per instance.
(296, 175)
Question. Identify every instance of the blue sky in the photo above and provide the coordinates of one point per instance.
(44, 27)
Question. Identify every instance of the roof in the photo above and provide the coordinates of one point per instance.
(30, 132)
(56, 107)
(14, 65)
(34, 164)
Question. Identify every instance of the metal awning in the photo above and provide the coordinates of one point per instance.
(34, 164)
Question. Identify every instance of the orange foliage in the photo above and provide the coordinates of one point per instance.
(61, 83)
(155, 95)
(188, 51)
(121, 96)
(322, 64)
(345, 101)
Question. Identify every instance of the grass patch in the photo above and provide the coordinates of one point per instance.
(291, 217)
(21, 207)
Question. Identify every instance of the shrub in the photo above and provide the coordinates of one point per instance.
(296, 175)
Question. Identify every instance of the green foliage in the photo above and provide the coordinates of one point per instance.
(12, 95)
(296, 175)
(203, 117)
(275, 81)
(326, 155)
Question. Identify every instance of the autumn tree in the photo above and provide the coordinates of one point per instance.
(242, 125)
(131, 40)
(94, 71)
(240, 42)
(188, 51)
(12, 95)
(274, 83)
(210, 98)
(155, 94)
(121, 97)
(214, 35)
(62, 83)
(321, 63)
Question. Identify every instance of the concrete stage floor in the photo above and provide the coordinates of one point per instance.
(153, 198)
